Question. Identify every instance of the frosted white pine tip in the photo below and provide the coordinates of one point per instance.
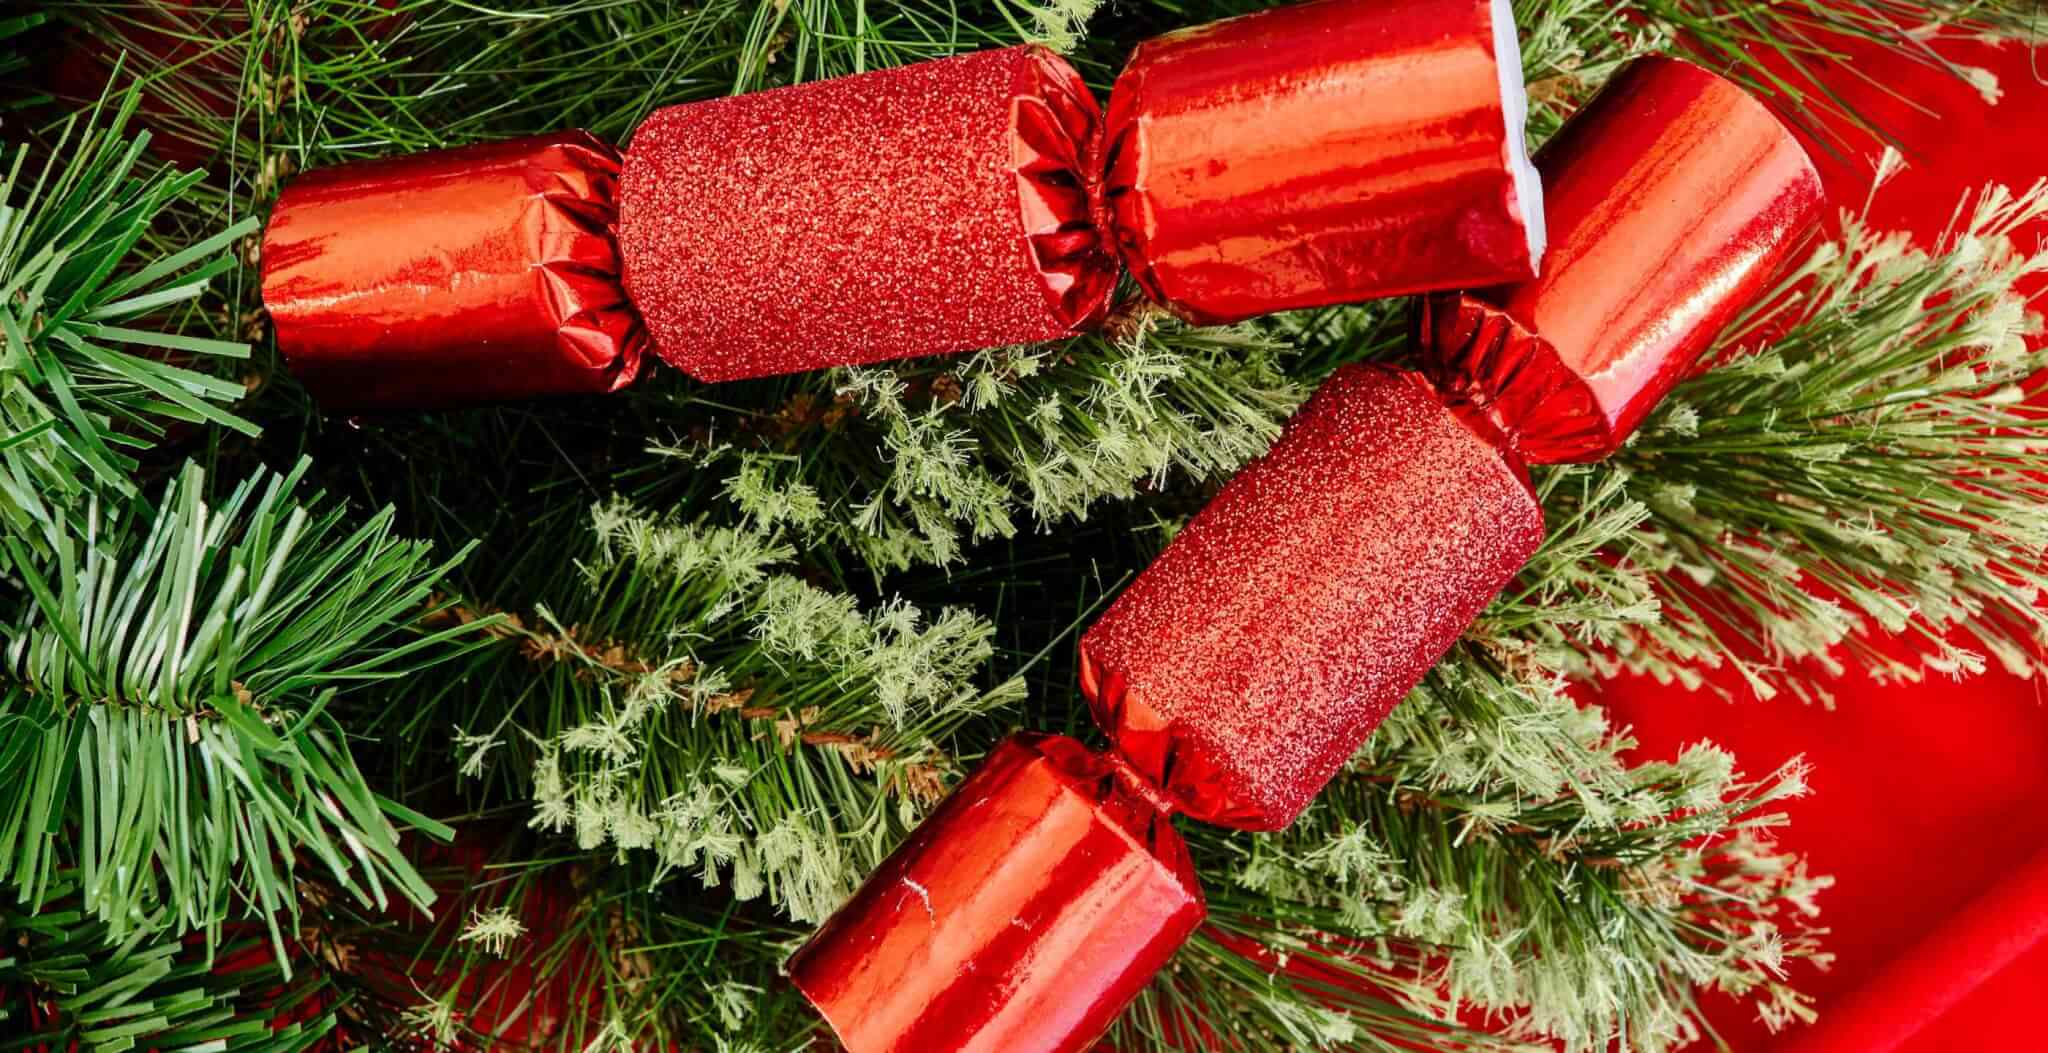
(1514, 101)
(494, 930)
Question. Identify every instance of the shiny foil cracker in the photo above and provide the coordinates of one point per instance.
(1674, 197)
(1256, 654)
(458, 276)
(1021, 917)
(1325, 152)
(929, 208)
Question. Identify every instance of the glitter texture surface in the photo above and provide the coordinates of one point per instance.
(930, 208)
(1321, 153)
(457, 276)
(1674, 197)
(1280, 627)
(1023, 915)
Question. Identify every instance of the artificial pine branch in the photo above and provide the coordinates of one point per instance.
(585, 954)
(68, 981)
(674, 690)
(165, 692)
(1775, 48)
(12, 61)
(1871, 468)
(90, 374)
(907, 465)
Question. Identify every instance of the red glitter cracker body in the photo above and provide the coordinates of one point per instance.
(929, 208)
(1256, 654)
(465, 275)
(1020, 918)
(1674, 198)
(1326, 152)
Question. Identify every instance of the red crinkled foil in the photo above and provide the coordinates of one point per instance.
(1023, 915)
(1674, 197)
(1322, 153)
(1252, 659)
(929, 208)
(458, 276)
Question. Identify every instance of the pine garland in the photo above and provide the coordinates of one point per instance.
(714, 649)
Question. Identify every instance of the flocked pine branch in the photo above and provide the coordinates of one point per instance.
(678, 691)
(910, 464)
(1871, 468)
(1492, 854)
(164, 697)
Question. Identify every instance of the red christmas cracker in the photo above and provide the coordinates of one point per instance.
(1336, 151)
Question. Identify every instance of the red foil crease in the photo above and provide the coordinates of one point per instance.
(1251, 660)
(458, 276)
(1674, 197)
(1325, 152)
(936, 207)
(1024, 914)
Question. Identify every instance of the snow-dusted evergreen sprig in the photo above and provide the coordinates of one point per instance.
(908, 464)
(1872, 468)
(683, 695)
(1492, 840)
(165, 691)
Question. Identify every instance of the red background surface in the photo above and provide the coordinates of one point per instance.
(1930, 801)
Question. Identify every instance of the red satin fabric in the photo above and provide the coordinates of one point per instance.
(924, 209)
(456, 276)
(1673, 200)
(1253, 657)
(1325, 152)
(1024, 914)
(1930, 801)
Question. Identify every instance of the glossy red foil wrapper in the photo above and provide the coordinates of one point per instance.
(936, 207)
(1326, 152)
(1674, 197)
(1251, 660)
(1023, 915)
(459, 276)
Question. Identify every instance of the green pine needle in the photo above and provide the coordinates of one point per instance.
(90, 376)
(165, 690)
(107, 993)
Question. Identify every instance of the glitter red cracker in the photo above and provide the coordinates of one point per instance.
(1284, 159)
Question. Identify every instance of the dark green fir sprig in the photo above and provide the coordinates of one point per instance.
(165, 700)
(96, 360)
(67, 981)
